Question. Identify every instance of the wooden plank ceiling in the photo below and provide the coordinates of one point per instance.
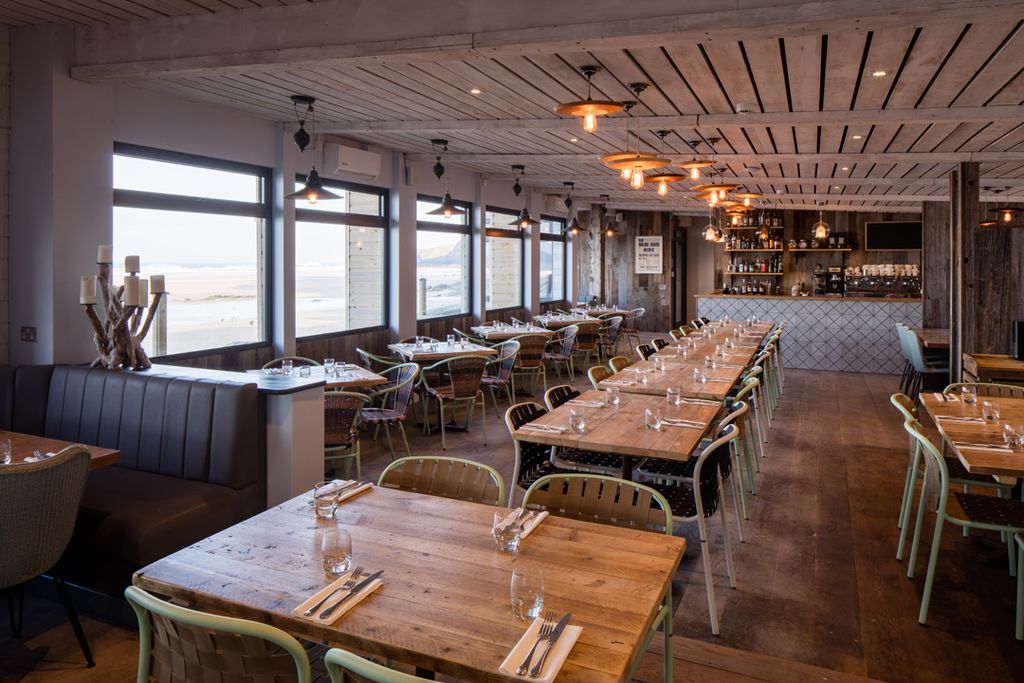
(873, 114)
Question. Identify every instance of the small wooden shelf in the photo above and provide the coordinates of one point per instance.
(732, 251)
(734, 272)
(820, 249)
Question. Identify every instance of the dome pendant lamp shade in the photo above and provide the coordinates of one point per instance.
(589, 109)
(313, 190)
(448, 208)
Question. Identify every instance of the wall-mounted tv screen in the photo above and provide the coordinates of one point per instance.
(892, 236)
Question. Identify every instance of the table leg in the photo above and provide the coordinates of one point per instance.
(425, 674)
(628, 462)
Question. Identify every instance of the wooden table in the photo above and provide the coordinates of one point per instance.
(24, 445)
(679, 373)
(503, 331)
(980, 367)
(557, 322)
(445, 601)
(603, 312)
(444, 350)
(353, 377)
(620, 430)
(979, 461)
(933, 337)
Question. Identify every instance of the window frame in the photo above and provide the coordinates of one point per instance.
(508, 233)
(467, 229)
(558, 237)
(357, 220)
(264, 210)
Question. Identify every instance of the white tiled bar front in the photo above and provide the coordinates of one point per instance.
(848, 335)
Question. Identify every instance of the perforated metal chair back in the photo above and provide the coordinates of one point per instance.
(601, 499)
(556, 396)
(445, 477)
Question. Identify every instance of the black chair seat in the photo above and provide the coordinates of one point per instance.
(991, 510)
(679, 496)
(668, 468)
(591, 458)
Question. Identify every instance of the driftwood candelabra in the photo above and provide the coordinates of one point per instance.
(118, 315)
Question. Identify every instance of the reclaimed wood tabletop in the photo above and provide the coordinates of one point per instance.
(556, 321)
(1004, 462)
(346, 376)
(444, 604)
(24, 445)
(933, 337)
(503, 331)
(987, 367)
(427, 351)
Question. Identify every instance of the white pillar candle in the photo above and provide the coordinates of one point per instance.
(143, 293)
(131, 290)
(105, 253)
(131, 264)
(157, 284)
(88, 291)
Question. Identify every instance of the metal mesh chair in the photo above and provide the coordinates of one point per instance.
(377, 364)
(562, 350)
(342, 415)
(606, 500)
(530, 361)
(456, 381)
(445, 477)
(631, 327)
(587, 339)
(608, 339)
(39, 505)
(532, 460)
(177, 645)
(390, 406)
(499, 375)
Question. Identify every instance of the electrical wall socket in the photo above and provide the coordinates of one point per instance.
(28, 334)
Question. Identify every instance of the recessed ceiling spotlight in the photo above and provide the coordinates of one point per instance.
(835, 187)
(846, 168)
(475, 91)
(857, 137)
(879, 73)
(574, 139)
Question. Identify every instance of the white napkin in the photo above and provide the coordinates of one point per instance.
(530, 524)
(993, 448)
(341, 611)
(41, 456)
(618, 382)
(545, 428)
(353, 492)
(552, 665)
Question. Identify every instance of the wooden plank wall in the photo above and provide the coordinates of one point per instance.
(5, 145)
(935, 266)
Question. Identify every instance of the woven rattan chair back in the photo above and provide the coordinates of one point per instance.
(445, 477)
(619, 363)
(611, 330)
(531, 350)
(341, 416)
(296, 360)
(587, 335)
(556, 396)
(397, 398)
(987, 389)
(463, 374)
(567, 342)
(601, 499)
(179, 645)
(38, 507)
(375, 363)
(598, 373)
(502, 366)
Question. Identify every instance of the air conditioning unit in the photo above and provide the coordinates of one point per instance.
(350, 161)
(553, 203)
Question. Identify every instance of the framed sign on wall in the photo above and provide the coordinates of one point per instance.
(648, 255)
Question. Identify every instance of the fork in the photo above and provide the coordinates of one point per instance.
(545, 630)
(348, 585)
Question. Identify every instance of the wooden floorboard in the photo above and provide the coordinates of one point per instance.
(818, 584)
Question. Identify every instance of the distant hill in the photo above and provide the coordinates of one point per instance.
(440, 256)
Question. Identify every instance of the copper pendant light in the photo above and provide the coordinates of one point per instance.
(589, 109)
(1005, 217)
(633, 164)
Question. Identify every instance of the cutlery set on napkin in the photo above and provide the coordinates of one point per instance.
(960, 418)
(526, 520)
(946, 398)
(338, 597)
(349, 489)
(618, 382)
(701, 402)
(585, 403)
(676, 422)
(551, 429)
(983, 447)
(541, 652)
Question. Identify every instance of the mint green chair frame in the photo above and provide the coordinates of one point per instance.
(987, 389)
(635, 506)
(339, 662)
(438, 475)
(146, 605)
(470, 402)
(937, 476)
(749, 388)
(381, 397)
(302, 360)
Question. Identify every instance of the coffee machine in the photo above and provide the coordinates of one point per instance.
(831, 282)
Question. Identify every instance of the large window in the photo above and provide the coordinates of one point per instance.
(503, 269)
(202, 223)
(340, 261)
(552, 259)
(442, 260)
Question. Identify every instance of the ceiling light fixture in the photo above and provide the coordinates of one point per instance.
(524, 220)
(846, 168)
(857, 137)
(574, 228)
(448, 208)
(475, 91)
(663, 180)
(633, 164)
(821, 229)
(313, 189)
(879, 73)
(1006, 217)
(609, 226)
(748, 197)
(589, 108)
(694, 165)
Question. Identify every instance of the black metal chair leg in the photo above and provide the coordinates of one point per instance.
(65, 598)
(17, 616)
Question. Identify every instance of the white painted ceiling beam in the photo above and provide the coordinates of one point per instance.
(333, 32)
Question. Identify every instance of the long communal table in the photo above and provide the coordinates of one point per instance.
(978, 461)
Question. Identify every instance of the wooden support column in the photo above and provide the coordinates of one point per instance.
(964, 215)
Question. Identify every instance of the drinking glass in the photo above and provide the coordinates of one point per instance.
(680, 352)
(709, 362)
(1009, 435)
(286, 367)
(652, 419)
(968, 396)
(577, 421)
(659, 364)
(674, 396)
(330, 366)
(304, 371)
(335, 550)
(450, 339)
(419, 342)
(1018, 439)
(612, 395)
(990, 411)
(464, 343)
(505, 533)
(641, 377)
(527, 592)
(433, 347)
(5, 451)
(325, 498)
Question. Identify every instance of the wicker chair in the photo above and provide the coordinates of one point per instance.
(377, 364)
(296, 360)
(588, 337)
(608, 341)
(530, 361)
(180, 644)
(445, 477)
(632, 324)
(341, 663)
(597, 374)
(619, 363)
(562, 347)
(38, 505)
(456, 381)
(342, 420)
(644, 351)
(607, 500)
(390, 406)
(532, 460)
(503, 377)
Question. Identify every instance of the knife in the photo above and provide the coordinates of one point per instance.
(355, 591)
(552, 639)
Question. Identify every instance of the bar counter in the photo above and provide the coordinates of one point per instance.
(846, 334)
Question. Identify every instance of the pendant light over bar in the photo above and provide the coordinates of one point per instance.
(589, 109)
(1006, 217)
(313, 188)
(448, 208)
